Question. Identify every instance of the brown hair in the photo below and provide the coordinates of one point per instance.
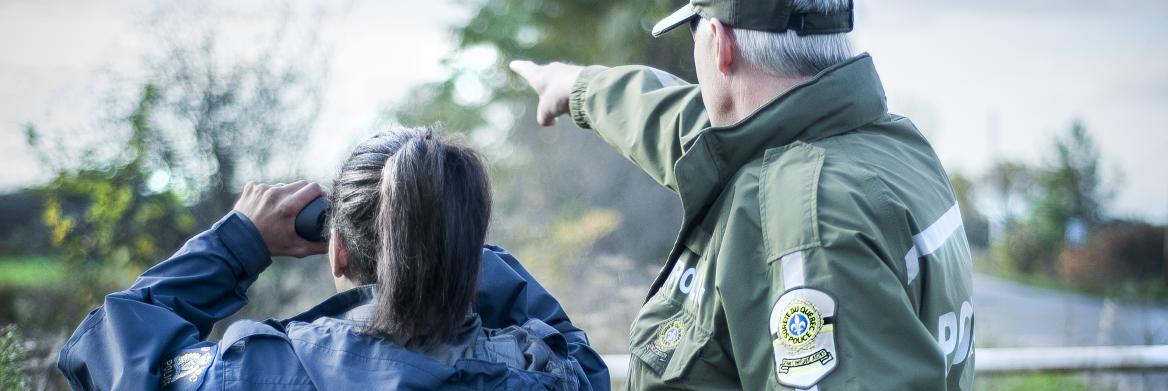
(412, 210)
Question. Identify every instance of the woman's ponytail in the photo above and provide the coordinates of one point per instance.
(433, 208)
(412, 211)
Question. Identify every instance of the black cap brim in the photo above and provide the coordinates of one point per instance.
(677, 18)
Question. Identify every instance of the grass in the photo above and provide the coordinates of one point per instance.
(30, 271)
(1030, 382)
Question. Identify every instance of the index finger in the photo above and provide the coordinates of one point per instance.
(306, 193)
(524, 68)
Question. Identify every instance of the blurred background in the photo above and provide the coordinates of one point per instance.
(127, 126)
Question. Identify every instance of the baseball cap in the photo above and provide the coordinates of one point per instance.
(762, 15)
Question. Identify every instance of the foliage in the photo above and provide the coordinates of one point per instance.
(588, 32)
(1068, 191)
(216, 116)
(1028, 247)
(1038, 243)
(106, 218)
(482, 97)
(12, 355)
(1073, 185)
(977, 228)
(1117, 253)
(200, 121)
(570, 238)
(225, 117)
(1009, 182)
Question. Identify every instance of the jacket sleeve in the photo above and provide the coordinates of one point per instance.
(648, 115)
(836, 312)
(860, 328)
(508, 295)
(171, 307)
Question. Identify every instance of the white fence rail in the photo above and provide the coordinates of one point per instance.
(1072, 359)
(1012, 360)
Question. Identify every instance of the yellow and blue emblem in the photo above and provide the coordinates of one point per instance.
(802, 324)
(669, 336)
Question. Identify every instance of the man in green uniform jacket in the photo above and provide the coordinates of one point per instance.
(821, 246)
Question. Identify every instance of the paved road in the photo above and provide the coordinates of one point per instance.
(1009, 314)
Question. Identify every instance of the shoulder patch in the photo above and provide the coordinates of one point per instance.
(669, 336)
(802, 326)
(187, 369)
(788, 190)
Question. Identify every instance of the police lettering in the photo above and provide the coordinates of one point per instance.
(686, 280)
(955, 333)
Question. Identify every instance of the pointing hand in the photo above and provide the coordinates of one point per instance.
(553, 83)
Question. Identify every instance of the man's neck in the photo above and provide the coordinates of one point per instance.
(750, 92)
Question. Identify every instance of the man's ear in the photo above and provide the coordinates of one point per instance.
(338, 254)
(723, 45)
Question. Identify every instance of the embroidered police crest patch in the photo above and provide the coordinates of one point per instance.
(188, 367)
(669, 336)
(802, 325)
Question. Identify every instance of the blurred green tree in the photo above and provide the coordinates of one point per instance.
(976, 226)
(170, 148)
(224, 116)
(202, 118)
(586, 32)
(1067, 201)
(1073, 186)
(105, 217)
(1008, 181)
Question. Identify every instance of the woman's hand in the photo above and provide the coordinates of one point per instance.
(272, 209)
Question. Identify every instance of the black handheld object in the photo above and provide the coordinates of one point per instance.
(310, 221)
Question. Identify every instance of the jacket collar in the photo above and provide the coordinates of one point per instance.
(839, 99)
(353, 304)
(358, 305)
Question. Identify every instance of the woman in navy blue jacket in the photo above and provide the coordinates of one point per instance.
(423, 303)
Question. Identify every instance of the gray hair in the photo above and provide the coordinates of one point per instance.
(786, 54)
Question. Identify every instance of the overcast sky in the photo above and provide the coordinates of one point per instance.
(984, 80)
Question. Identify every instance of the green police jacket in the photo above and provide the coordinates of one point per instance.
(821, 247)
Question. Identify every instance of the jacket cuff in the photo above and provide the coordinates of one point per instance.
(243, 240)
(576, 96)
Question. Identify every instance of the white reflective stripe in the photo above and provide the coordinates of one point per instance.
(930, 240)
(792, 270)
(933, 237)
(666, 79)
(912, 264)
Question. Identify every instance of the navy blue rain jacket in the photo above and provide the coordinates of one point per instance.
(154, 333)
